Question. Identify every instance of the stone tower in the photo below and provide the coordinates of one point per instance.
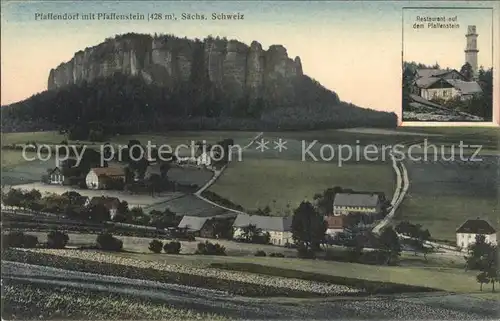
(471, 49)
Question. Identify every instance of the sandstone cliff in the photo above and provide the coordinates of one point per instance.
(237, 69)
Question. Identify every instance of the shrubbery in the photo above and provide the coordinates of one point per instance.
(57, 240)
(305, 253)
(155, 246)
(173, 247)
(107, 242)
(19, 239)
(208, 248)
(260, 253)
(277, 255)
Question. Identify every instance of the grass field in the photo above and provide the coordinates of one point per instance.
(488, 137)
(52, 302)
(443, 195)
(47, 137)
(442, 215)
(255, 183)
(446, 279)
(12, 158)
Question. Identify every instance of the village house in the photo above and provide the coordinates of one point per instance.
(337, 224)
(56, 176)
(195, 225)
(443, 84)
(204, 159)
(279, 228)
(153, 170)
(362, 203)
(111, 203)
(102, 177)
(467, 232)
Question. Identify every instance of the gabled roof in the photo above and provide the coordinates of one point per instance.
(193, 223)
(265, 223)
(465, 87)
(108, 202)
(426, 82)
(55, 170)
(362, 200)
(430, 72)
(109, 171)
(476, 226)
(153, 170)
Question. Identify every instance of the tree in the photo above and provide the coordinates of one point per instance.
(389, 243)
(467, 71)
(57, 240)
(108, 242)
(482, 278)
(324, 201)
(164, 219)
(418, 236)
(173, 247)
(250, 233)
(13, 197)
(481, 255)
(155, 246)
(222, 228)
(308, 227)
(98, 213)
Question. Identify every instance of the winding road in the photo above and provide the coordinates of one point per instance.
(422, 306)
(402, 185)
(217, 174)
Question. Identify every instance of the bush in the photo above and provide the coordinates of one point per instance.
(277, 255)
(260, 253)
(19, 239)
(57, 240)
(173, 247)
(107, 242)
(155, 246)
(305, 253)
(208, 248)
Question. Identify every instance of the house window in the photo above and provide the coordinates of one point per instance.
(445, 93)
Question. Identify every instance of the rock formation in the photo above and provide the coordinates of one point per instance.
(236, 68)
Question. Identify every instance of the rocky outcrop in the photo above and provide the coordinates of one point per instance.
(236, 68)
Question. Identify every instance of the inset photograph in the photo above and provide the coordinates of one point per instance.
(447, 65)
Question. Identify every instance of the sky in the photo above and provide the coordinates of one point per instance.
(446, 46)
(353, 48)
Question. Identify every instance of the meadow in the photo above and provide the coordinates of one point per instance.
(441, 195)
(282, 184)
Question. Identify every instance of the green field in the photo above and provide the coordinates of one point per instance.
(442, 215)
(47, 137)
(488, 137)
(186, 137)
(171, 138)
(256, 183)
(446, 279)
(64, 303)
(11, 158)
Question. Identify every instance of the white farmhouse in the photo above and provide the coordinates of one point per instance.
(97, 178)
(203, 160)
(466, 233)
(279, 228)
(56, 176)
